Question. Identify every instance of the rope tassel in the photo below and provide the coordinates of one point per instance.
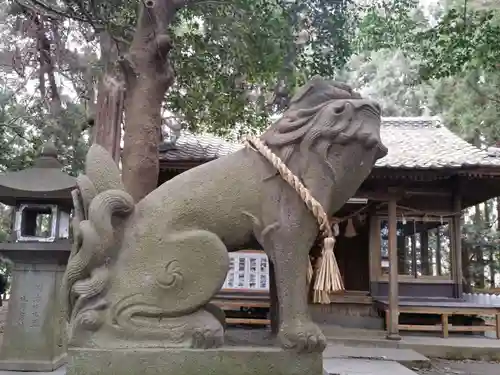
(310, 272)
(328, 279)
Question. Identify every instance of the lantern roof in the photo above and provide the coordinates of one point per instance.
(43, 182)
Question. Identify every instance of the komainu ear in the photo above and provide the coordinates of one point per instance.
(102, 170)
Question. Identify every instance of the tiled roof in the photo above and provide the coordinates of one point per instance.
(413, 142)
(420, 142)
(202, 147)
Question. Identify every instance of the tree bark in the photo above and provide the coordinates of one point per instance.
(110, 99)
(148, 76)
(44, 46)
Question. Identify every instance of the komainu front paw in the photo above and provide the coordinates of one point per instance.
(303, 336)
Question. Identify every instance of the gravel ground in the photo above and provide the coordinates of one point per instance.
(444, 367)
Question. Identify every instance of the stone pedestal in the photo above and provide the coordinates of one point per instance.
(224, 361)
(34, 335)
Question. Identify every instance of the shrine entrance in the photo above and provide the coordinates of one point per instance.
(353, 257)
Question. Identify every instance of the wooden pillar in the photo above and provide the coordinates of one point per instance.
(438, 252)
(457, 242)
(425, 254)
(393, 320)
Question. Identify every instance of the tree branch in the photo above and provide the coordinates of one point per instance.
(12, 127)
(53, 12)
(179, 4)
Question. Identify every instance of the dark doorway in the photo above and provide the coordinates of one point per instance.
(353, 256)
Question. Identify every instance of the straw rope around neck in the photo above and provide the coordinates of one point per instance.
(327, 278)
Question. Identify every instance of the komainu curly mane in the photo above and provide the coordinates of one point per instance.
(329, 121)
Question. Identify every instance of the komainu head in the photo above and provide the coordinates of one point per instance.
(331, 129)
(324, 111)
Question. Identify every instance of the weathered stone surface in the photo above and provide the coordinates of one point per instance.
(227, 361)
(141, 273)
(34, 335)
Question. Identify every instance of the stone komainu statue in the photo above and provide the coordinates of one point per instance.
(142, 274)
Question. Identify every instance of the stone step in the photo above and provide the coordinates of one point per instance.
(59, 371)
(336, 363)
(350, 366)
(332, 366)
(406, 357)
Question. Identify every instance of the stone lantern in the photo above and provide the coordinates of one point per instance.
(39, 246)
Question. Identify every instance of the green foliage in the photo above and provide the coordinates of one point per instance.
(21, 134)
(469, 103)
(391, 79)
(456, 59)
(230, 58)
(481, 242)
(463, 41)
(26, 116)
(388, 24)
(16, 151)
(217, 62)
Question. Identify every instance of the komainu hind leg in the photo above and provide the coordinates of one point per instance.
(218, 313)
(209, 331)
(168, 281)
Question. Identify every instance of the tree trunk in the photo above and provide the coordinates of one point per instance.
(110, 97)
(148, 76)
(45, 43)
(108, 121)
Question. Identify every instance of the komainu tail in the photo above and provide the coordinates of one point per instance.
(100, 197)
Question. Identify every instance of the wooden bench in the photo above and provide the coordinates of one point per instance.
(229, 300)
(444, 308)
